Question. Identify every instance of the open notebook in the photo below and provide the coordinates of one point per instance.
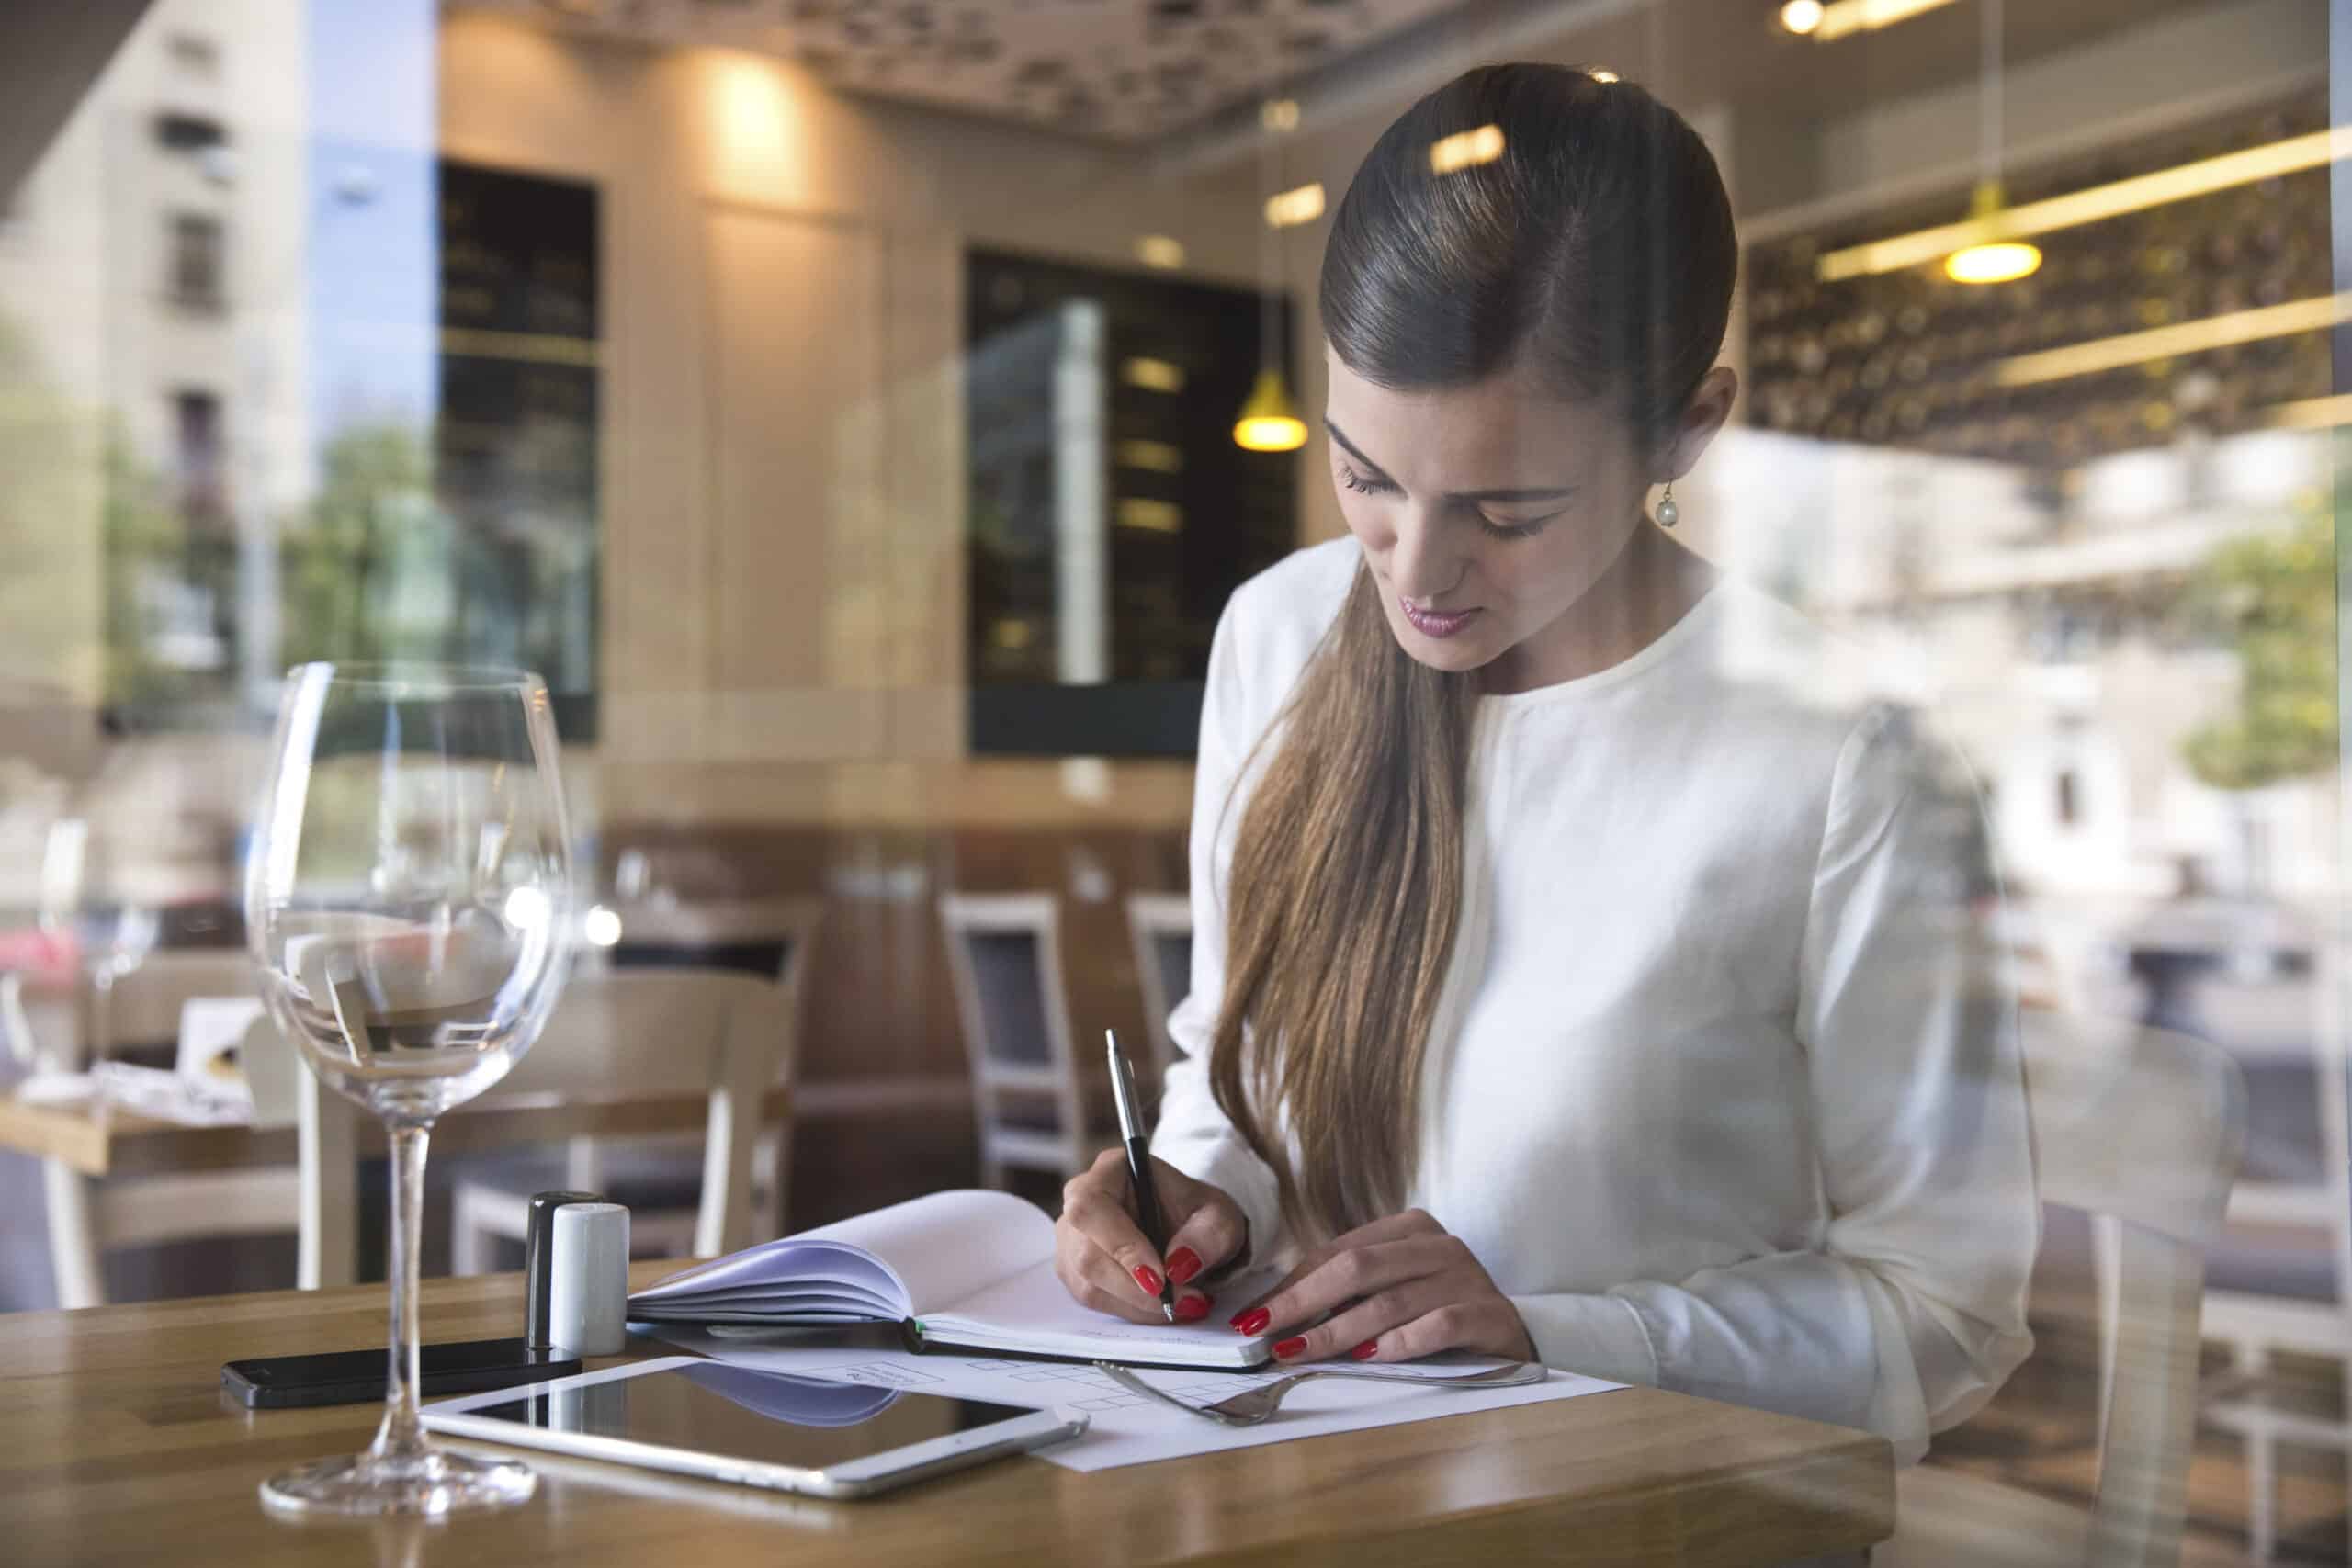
(966, 1270)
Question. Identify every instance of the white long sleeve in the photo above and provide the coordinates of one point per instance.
(1723, 1092)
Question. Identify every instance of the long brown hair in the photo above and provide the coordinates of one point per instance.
(1600, 246)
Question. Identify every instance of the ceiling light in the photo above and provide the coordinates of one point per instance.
(1466, 149)
(1998, 261)
(1279, 114)
(1292, 208)
(1602, 74)
(1801, 16)
(1842, 18)
(1268, 421)
(2179, 183)
(2165, 343)
(2004, 261)
(1159, 251)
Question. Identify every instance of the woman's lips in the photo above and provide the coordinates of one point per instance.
(1429, 623)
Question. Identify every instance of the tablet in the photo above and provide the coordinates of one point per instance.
(789, 1433)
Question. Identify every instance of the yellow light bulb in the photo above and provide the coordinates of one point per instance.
(1801, 16)
(1268, 422)
(2004, 261)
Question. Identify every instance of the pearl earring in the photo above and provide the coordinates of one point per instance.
(1668, 515)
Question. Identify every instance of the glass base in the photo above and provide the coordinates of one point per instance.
(433, 1482)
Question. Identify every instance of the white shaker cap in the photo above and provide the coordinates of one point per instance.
(588, 1295)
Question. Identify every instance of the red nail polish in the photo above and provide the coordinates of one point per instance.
(1148, 1279)
(1253, 1322)
(1191, 1309)
(1182, 1264)
(1289, 1348)
(1366, 1351)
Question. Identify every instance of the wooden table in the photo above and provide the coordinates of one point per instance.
(117, 1446)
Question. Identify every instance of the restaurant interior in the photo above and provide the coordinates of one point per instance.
(858, 412)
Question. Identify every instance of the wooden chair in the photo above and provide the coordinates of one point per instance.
(2258, 1316)
(1004, 955)
(774, 937)
(1160, 924)
(89, 1217)
(2143, 1130)
(655, 1031)
(651, 1174)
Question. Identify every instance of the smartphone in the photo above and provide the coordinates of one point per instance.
(356, 1377)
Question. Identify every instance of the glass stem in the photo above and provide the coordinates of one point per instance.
(402, 1436)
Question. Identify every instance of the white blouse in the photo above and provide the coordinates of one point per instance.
(1724, 1088)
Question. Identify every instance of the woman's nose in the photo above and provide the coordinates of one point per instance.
(1422, 564)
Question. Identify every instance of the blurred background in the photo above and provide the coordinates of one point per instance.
(836, 401)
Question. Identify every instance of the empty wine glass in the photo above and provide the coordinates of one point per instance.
(408, 900)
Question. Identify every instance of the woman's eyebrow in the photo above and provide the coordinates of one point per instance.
(1538, 492)
(1351, 449)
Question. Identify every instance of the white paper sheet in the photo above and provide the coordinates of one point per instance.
(1127, 1429)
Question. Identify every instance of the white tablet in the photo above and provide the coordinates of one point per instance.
(771, 1429)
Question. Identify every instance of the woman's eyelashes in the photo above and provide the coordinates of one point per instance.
(1517, 528)
(1514, 530)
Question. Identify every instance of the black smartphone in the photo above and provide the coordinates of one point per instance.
(355, 1377)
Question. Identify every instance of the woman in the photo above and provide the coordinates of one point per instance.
(1558, 991)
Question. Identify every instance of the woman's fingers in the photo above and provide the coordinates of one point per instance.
(1399, 1310)
(1096, 1208)
(1356, 1274)
(1102, 1255)
(1209, 1230)
(1412, 1222)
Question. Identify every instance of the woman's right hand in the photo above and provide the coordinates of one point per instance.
(1105, 1261)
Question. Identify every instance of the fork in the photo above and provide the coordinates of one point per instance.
(1251, 1406)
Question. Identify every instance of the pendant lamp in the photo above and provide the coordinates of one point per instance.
(1268, 422)
(1994, 261)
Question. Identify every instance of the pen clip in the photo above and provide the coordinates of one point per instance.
(1123, 1087)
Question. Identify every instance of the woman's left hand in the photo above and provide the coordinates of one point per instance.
(1402, 1288)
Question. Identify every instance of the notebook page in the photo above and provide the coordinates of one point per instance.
(938, 1247)
(946, 1246)
(1032, 1311)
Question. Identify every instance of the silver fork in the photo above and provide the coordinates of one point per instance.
(1251, 1406)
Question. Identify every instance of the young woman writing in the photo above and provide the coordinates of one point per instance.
(1561, 988)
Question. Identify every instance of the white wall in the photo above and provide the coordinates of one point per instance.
(784, 490)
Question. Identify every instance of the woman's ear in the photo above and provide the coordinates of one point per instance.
(1706, 414)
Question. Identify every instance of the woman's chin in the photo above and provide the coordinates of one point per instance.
(1464, 651)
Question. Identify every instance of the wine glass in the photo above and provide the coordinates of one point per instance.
(409, 902)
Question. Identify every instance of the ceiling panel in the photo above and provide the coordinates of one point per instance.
(1121, 69)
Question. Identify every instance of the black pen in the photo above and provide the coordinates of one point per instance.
(1122, 1093)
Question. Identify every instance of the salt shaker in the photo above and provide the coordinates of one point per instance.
(588, 1305)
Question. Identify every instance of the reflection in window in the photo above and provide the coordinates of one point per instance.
(194, 280)
(196, 445)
